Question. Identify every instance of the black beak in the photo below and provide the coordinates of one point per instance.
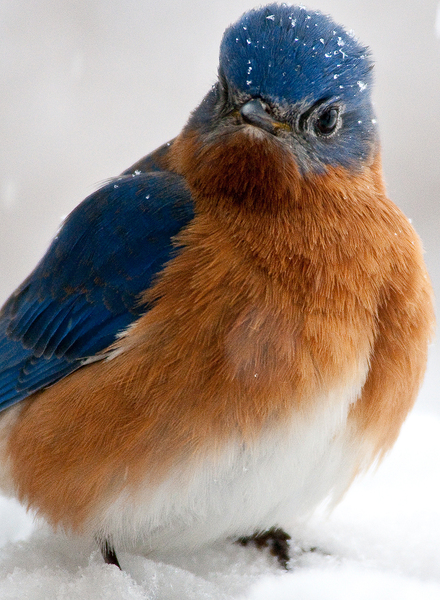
(255, 112)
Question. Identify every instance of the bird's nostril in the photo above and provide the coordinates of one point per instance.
(257, 113)
(254, 110)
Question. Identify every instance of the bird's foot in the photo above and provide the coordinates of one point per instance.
(275, 539)
(109, 554)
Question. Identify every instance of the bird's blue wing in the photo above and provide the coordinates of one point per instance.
(86, 288)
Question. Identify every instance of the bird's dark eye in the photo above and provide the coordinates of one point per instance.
(327, 121)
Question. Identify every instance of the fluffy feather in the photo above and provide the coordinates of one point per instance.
(274, 355)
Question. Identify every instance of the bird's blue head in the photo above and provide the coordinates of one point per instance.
(297, 76)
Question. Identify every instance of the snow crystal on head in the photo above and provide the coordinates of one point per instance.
(290, 53)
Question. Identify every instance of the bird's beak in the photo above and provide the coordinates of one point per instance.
(255, 112)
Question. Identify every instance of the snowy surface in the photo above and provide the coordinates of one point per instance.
(381, 543)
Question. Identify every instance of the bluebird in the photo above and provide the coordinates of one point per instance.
(220, 339)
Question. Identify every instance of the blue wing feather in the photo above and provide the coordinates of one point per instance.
(86, 288)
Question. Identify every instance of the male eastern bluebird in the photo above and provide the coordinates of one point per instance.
(221, 338)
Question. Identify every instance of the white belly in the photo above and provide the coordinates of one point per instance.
(278, 480)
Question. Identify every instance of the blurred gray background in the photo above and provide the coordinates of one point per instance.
(89, 86)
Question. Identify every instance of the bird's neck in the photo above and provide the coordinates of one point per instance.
(255, 193)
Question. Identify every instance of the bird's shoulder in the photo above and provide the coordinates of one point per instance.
(86, 288)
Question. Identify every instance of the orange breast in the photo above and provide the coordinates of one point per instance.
(250, 324)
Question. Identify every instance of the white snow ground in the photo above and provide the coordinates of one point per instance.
(381, 543)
